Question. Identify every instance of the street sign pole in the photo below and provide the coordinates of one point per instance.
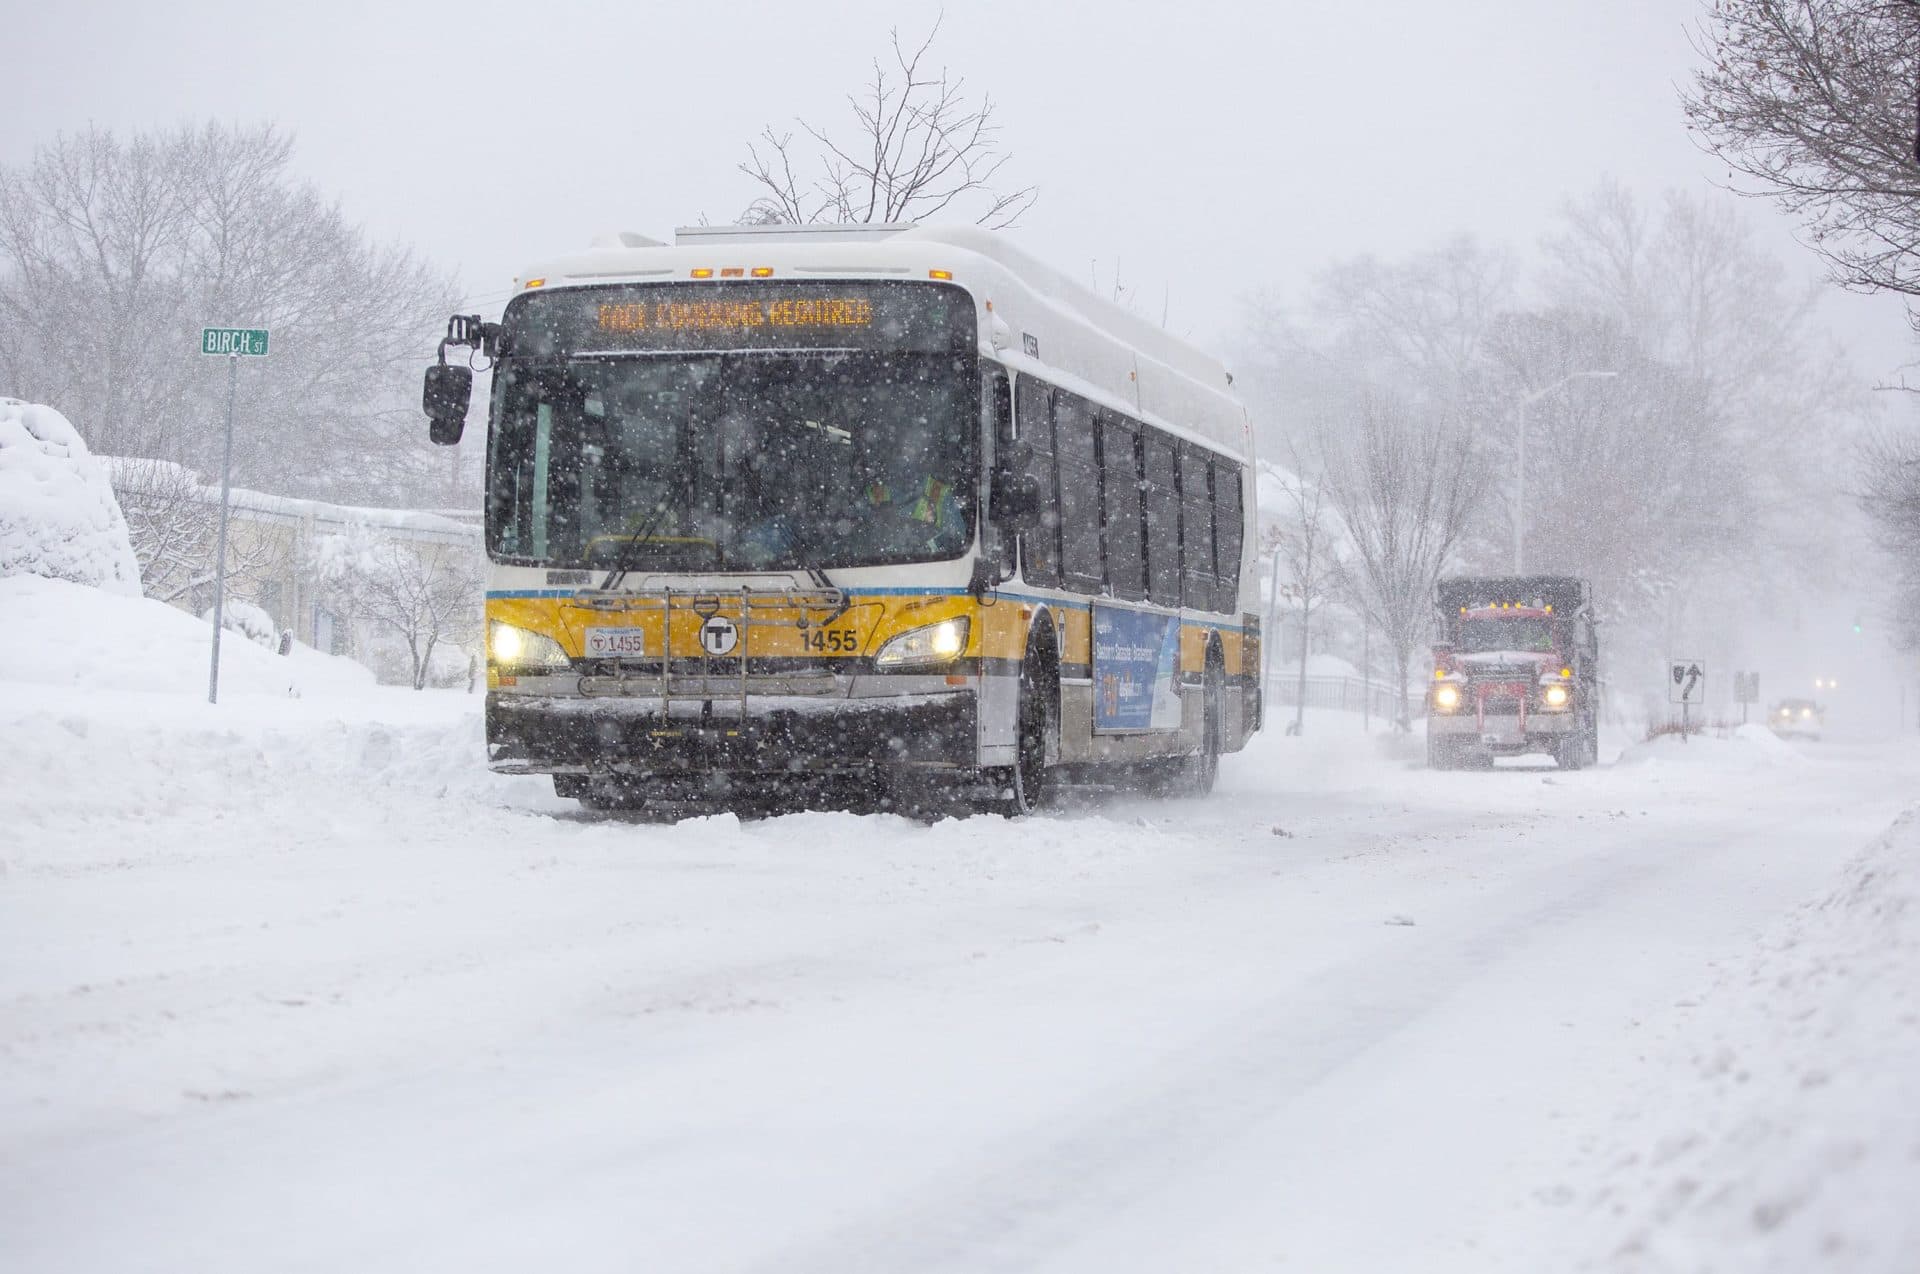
(234, 343)
(1685, 678)
(220, 559)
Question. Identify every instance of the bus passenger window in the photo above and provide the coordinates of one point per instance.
(1120, 481)
(1226, 522)
(1079, 494)
(1163, 525)
(1196, 532)
(1039, 548)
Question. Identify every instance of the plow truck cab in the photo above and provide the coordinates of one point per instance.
(1516, 672)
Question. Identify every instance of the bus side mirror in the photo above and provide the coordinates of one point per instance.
(445, 396)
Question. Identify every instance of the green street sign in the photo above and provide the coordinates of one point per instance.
(249, 341)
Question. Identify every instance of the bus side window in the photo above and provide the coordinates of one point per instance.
(1120, 484)
(1040, 549)
(1163, 524)
(1227, 529)
(1196, 532)
(996, 417)
(1079, 465)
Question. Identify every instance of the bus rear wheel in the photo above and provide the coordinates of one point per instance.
(1203, 768)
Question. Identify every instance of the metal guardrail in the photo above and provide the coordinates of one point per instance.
(1343, 694)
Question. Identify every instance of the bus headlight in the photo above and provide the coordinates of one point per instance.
(1446, 698)
(935, 644)
(517, 650)
(1556, 696)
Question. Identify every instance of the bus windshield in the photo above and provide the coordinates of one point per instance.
(746, 461)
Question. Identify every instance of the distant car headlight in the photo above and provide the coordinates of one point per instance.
(516, 650)
(1556, 696)
(935, 644)
(1446, 698)
(1806, 712)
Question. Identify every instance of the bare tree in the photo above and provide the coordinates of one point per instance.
(1637, 482)
(1406, 484)
(115, 252)
(918, 147)
(1420, 322)
(1813, 100)
(420, 594)
(1309, 563)
(1889, 492)
(1699, 444)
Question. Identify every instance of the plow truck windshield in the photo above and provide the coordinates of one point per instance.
(1505, 632)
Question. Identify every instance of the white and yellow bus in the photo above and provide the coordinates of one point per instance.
(785, 506)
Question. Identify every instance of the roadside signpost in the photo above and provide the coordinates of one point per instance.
(1686, 686)
(234, 343)
(1746, 690)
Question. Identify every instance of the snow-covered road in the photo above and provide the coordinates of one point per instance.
(294, 988)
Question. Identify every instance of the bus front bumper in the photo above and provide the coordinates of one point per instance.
(529, 734)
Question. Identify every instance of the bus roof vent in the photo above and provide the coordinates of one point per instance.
(859, 232)
(624, 239)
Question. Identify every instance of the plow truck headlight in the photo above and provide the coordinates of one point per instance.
(935, 644)
(1557, 696)
(1446, 698)
(516, 650)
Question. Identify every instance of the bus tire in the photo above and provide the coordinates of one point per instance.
(1203, 768)
(1027, 785)
(570, 787)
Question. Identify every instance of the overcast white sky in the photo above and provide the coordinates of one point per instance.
(1210, 146)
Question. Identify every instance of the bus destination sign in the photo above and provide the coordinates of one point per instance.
(248, 342)
(791, 312)
(897, 317)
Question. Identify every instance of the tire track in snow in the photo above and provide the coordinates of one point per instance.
(1024, 1199)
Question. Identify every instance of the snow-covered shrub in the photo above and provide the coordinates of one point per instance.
(58, 515)
(249, 621)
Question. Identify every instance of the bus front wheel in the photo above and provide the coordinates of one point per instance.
(1026, 785)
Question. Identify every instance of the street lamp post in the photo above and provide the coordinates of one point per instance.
(1520, 465)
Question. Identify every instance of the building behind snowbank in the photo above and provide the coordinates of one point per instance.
(345, 579)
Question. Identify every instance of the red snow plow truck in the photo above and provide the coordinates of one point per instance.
(1516, 671)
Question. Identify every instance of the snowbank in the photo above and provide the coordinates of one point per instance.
(1783, 1134)
(63, 634)
(247, 619)
(58, 515)
(1747, 747)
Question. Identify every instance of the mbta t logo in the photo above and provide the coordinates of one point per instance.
(719, 635)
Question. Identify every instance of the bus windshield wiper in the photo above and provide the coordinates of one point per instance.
(622, 560)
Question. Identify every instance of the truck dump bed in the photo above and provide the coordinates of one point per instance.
(1565, 593)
